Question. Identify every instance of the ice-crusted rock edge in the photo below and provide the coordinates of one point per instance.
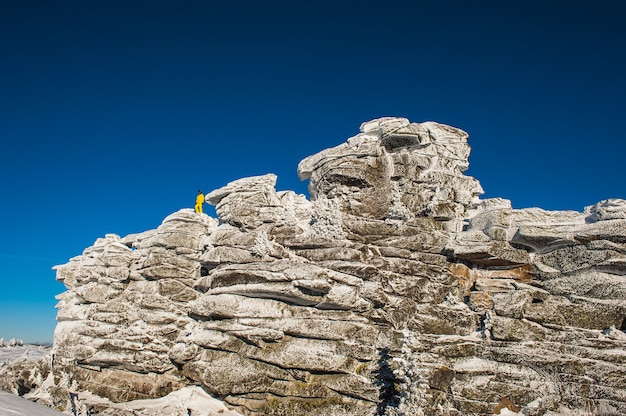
(394, 291)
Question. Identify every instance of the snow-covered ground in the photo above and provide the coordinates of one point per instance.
(31, 352)
(12, 405)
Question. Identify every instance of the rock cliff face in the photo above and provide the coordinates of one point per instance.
(394, 291)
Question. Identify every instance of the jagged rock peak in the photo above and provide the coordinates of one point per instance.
(394, 291)
(395, 169)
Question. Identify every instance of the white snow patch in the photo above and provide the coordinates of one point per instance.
(12, 405)
(191, 401)
(507, 412)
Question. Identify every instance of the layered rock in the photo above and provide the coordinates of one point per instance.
(394, 291)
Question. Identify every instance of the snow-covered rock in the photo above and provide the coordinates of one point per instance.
(188, 401)
(394, 291)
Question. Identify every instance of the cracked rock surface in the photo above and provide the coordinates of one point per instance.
(395, 290)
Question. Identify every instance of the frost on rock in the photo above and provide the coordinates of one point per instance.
(326, 219)
(609, 209)
(394, 291)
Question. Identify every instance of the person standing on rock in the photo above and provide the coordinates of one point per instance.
(199, 201)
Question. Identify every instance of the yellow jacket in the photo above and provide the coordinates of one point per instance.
(200, 199)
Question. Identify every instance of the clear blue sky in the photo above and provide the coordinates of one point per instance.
(114, 113)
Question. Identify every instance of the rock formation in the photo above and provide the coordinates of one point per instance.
(394, 291)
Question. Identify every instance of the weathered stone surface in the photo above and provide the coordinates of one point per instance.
(394, 291)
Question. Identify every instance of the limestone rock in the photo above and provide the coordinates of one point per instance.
(394, 291)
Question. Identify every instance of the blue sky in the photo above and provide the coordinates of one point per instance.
(113, 113)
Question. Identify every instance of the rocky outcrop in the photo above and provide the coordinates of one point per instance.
(394, 291)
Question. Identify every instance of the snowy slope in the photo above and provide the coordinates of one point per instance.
(12, 405)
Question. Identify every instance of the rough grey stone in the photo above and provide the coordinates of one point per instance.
(394, 291)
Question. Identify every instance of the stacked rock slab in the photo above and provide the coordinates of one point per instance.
(394, 291)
